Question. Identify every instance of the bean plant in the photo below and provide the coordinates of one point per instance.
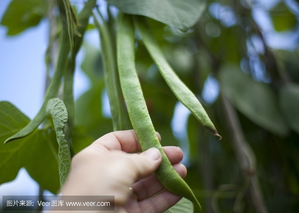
(120, 72)
(153, 54)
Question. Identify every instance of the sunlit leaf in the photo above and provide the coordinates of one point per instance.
(289, 103)
(254, 99)
(21, 15)
(36, 152)
(177, 13)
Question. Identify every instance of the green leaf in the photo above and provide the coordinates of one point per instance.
(92, 64)
(183, 206)
(80, 139)
(88, 112)
(36, 152)
(88, 107)
(57, 110)
(254, 99)
(289, 103)
(21, 15)
(177, 13)
(282, 17)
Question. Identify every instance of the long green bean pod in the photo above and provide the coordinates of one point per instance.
(118, 113)
(138, 112)
(68, 94)
(70, 19)
(180, 90)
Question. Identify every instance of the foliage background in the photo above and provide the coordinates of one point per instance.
(241, 60)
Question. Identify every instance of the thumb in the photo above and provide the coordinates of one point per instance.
(147, 162)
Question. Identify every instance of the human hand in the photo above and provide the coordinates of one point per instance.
(106, 168)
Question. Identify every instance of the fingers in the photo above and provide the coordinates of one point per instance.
(127, 141)
(150, 186)
(130, 168)
(174, 154)
(120, 140)
(146, 163)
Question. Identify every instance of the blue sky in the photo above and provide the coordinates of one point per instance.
(21, 66)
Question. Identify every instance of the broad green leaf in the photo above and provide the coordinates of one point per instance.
(30, 127)
(282, 17)
(57, 110)
(289, 103)
(21, 15)
(177, 13)
(254, 99)
(183, 206)
(36, 152)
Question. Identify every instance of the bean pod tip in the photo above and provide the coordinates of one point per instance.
(215, 132)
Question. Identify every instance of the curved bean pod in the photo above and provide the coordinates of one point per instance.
(138, 112)
(180, 90)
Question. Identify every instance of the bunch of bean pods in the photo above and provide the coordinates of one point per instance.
(133, 95)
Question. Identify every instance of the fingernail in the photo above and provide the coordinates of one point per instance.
(152, 153)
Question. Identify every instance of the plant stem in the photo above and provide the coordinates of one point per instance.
(244, 154)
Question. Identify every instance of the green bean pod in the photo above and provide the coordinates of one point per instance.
(70, 19)
(138, 112)
(68, 94)
(118, 113)
(180, 90)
